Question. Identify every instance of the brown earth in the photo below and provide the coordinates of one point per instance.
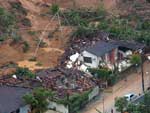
(42, 25)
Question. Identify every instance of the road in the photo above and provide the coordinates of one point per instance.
(133, 84)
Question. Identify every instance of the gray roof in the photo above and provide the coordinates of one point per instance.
(130, 45)
(11, 98)
(101, 47)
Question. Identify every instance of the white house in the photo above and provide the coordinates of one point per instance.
(101, 54)
(109, 54)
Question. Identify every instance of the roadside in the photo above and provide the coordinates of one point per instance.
(133, 84)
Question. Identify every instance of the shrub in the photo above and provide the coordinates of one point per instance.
(26, 46)
(24, 72)
(31, 32)
(26, 22)
(136, 59)
(54, 9)
(32, 59)
(7, 21)
(38, 99)
(39, 64)
(16, 38)
(18, 6)
(103, 74)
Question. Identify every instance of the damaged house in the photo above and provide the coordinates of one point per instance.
(109, 54)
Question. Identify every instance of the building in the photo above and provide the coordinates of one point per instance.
(109, 54)
(11, 99)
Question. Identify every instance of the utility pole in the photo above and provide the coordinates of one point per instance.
(142, 72)
(103, 105)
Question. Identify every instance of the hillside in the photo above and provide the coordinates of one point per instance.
(46, 56)
(34, 22)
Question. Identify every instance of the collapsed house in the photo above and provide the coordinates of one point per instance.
(64, 80)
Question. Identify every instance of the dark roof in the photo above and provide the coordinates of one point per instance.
(130, 45)
(101, 47)
(11, 98)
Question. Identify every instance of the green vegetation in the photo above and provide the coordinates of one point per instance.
(82, 16)
(42, 43)
(26, 46)
(39, 64)
(54, 9)
(119, 27)
(103, 73)
(17, 7)
(123, 105)
(7, 23)
(26, 22)
(136, 59)
(31, 33)
(33, 59)
(75, 102)
(38, 99)
(24, 72)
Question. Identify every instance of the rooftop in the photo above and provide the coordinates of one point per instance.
(101, 47)
(11, 98)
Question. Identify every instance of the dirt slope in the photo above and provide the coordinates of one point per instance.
(42, 26)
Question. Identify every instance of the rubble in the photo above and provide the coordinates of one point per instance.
(64, 80)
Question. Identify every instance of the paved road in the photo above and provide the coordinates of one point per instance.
(133, 84)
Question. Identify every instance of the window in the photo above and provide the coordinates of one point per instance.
(87, 59)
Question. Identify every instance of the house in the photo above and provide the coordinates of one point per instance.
(109, 54)
(98, 54)
(11, 99)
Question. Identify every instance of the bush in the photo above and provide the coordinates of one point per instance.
(18, 6)
(32, 59)
(54, 9)
(24, 72)
(39, 64)
(26, 22)
(16, 38)
(31, 33)
(26, 46)
(76, 101)
(7, 21)
(136, 59)
(103, 74)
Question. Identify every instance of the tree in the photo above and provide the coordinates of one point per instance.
(121, 104)
(136, 59)
(38, 99)
(103, 74)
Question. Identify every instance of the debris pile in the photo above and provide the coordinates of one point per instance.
(63, 80)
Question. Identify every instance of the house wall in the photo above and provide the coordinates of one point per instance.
(109, 58)
(25, 109)
(95, 59)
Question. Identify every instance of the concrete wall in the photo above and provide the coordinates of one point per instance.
(94, 93)
(58, 107)
(64, 109)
